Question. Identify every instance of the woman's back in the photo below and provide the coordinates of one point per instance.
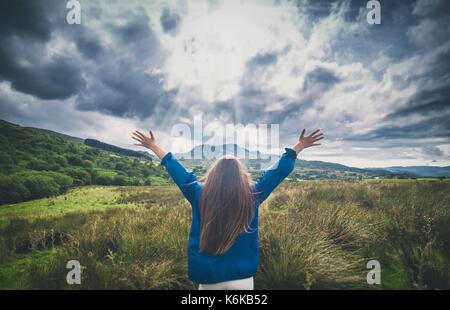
(241, 259)
(226, 205)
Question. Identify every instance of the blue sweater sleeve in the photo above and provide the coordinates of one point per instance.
(274, 175)
(186, 181)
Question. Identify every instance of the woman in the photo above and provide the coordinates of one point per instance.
(223, 251)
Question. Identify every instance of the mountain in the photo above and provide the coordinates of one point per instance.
(424, 171)
(59, 135)
(304, 169)
(224, 149)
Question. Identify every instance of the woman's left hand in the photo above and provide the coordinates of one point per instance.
(148, 142)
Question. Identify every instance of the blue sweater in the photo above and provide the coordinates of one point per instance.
(240, 261)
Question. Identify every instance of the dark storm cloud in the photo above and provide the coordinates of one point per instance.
(321, 79)
(316, 9)
(432, 150)
(125, 93)
(249, 104)
(262, 60)
(316, 83)
(89, 45)
(355, 9)
(25, 18)
(123, 87)
(367, 42)
(170, 21)
(434, 127)
(431, 102)
(433, 9)
(425, 103)
(137, 38)
(59, 79)
(119, 82)
(26, 27)
(137, 28)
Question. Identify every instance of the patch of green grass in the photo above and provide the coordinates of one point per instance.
(94, 197)
(15, 275)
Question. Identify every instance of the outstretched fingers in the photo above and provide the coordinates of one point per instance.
(140, 134)
(313, 133)
(317, 138)
(141, 142)
(303, 133)
(137, 137)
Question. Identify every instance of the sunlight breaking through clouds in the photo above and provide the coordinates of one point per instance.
(380, 93)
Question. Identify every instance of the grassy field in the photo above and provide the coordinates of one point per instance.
(313, 235)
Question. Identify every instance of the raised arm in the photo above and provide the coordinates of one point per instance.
(276, 173)
(185, 180)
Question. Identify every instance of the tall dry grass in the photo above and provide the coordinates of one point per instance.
(313, 235)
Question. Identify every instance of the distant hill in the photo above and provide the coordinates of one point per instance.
(153, 157)
(424, 171)
(304, 169)
(315, 169)
(115, 149)
(59, 135)
(220, 150)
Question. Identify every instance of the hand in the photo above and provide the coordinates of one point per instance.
(308, 141)
(148, 142)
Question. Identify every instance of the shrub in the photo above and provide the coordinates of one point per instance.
(87, 157)
(33, 185)
(37, 164)
(54, 167)
(80, 176)
(5, 159)
(75, 160)
(103, 179)
(120, 166)
(61, 160)
(12, 190)
(146, 172)
(119, 180)
(87, 164)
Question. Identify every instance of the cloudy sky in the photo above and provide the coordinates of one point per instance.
(380, 93)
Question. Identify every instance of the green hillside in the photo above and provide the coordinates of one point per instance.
(115, 149)
(35, 165)
(60, 135)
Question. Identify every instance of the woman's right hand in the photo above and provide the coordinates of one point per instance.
(308, 141)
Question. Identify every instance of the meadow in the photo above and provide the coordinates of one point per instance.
(313, 235)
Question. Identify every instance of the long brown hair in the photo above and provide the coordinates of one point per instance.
(226, 205)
